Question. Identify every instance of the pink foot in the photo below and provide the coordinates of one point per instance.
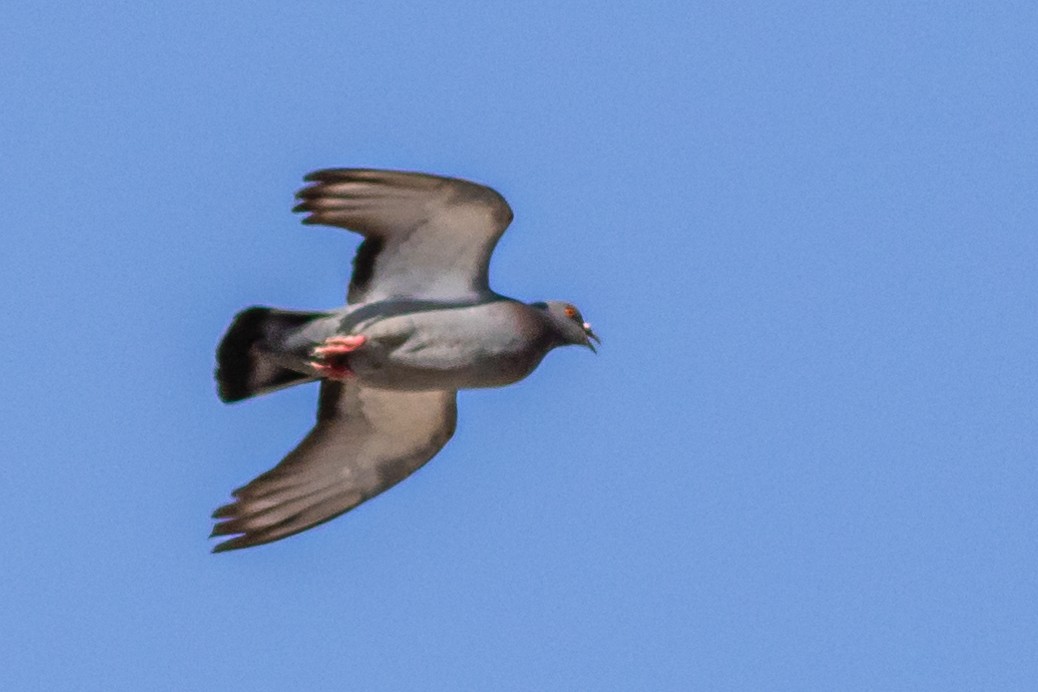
(331, 372)
(331, 364)
(338, 345)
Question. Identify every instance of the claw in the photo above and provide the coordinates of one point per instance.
(340, 373)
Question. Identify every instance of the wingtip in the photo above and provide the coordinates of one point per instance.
(323, 174)
(229, 534)
(221, 547)
(243, 540)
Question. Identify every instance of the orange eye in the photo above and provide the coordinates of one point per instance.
(570, 311)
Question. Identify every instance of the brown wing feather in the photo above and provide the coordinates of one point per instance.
(426, 236)
(365, 441)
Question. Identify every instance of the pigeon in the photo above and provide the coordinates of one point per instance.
(420, 323)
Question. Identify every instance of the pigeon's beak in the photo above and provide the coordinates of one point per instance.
(591, 336)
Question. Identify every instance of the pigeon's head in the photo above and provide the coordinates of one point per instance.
(570, 324)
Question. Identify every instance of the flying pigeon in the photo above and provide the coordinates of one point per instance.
(420, 323)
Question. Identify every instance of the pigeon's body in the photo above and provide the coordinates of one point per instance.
(415, 346)
(421, 323)
(486, 345)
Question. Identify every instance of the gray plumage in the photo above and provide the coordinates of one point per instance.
(421, 322)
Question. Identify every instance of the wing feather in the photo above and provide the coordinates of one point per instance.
(365, 441)
(427, 237)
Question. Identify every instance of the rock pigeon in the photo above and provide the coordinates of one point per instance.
(420, 323)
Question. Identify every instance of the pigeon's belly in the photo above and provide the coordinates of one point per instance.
(456, 348)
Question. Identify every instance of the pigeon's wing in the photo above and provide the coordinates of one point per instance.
(365, 441)
(425, 237)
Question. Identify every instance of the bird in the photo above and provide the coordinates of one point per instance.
(420, 323)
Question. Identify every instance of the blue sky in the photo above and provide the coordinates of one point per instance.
(804, 458)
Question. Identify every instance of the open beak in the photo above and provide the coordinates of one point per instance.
(591, 336)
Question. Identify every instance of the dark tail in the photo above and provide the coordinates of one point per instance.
(244, 359)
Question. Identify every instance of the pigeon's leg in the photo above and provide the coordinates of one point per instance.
(338, 345)
(332, 364)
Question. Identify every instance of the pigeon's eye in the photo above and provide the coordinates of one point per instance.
(570, 311)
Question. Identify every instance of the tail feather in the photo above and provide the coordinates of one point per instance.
(244, 363)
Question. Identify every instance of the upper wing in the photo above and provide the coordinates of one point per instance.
(365, 441)
(425, 236)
